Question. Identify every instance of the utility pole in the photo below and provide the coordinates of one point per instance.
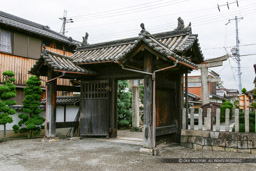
(236, 52)
(65, 21)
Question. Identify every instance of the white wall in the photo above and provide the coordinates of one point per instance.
(71, 114)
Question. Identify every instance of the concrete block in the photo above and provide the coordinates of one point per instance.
(217, 148)
(184, 139)
(244, 150)
(205, 147)
(147, 151)
(242, 144)
(231, 149)
(197, 147)
(214, 134)
(231, 144)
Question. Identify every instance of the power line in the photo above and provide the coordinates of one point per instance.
(131, 9)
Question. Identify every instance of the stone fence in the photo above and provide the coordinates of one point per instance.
(218, 136)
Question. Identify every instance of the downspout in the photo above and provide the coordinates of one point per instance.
(154, 94)
(45, 128)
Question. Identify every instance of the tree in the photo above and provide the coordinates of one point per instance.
(31, 122)
(124, 104)
(244, 91)
(7, 91)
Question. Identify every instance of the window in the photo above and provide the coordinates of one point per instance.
(5, 41)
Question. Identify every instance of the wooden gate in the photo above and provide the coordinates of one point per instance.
(95, 108)
(166, 106)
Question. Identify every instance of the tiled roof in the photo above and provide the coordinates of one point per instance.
(65, 100)
(26, 25)
(170, 43)
(20, 107)
(58, 63)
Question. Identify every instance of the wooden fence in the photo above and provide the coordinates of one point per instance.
(206, 123)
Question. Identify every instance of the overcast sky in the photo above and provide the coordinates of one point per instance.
(117, 19)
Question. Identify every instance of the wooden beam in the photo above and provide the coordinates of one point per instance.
(51, 105)
(165, 130)
(66, 124)
(68, 88)
(148, 101)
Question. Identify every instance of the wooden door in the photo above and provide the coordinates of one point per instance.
(95, 108)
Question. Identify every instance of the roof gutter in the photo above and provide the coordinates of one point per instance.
(154, 94)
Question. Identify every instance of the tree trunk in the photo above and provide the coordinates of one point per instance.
(4, 132)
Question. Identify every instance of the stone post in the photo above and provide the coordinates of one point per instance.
(192, 118)
(246, 122)
(218, 119)
(236, 120)
(184, 119)
(135, 107)
(227, 120)
(209, 118)
(204, 79)
(200, 119)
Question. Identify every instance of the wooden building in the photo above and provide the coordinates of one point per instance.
(21, 45)
(160, 59)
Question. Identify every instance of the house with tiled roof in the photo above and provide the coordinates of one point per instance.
(21, 43)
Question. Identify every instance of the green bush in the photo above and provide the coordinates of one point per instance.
(31, 121)
(242, 128)
(225, 105)
(124, 98)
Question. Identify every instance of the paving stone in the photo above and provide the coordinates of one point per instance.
(187, 145)
(244, 150)
(217, 148)
(231, 149)
(148, 151)
(205, 147)
(197, 147)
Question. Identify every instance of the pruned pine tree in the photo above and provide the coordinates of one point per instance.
(7, 92)
(31, 121)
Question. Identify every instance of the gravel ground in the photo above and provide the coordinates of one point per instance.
(99, 154)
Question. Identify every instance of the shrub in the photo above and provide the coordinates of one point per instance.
(124, 98)
(225, 105)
